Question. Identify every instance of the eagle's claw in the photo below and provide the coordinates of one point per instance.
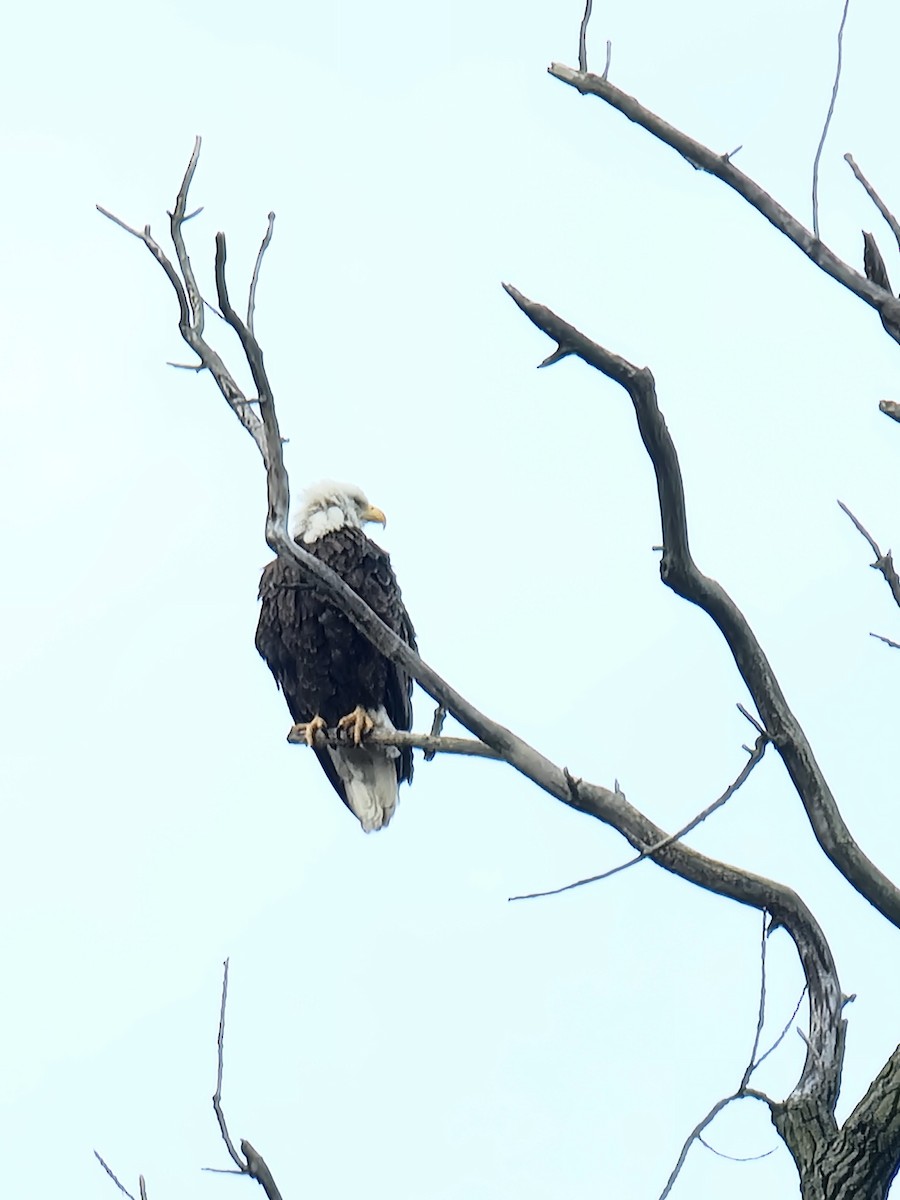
(357, 724)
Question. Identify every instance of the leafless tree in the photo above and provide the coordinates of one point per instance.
(860, 1157)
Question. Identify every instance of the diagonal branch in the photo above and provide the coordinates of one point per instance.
(883, 562)
(875, 198)
(722, 168)
(756, 754)
(679, 572)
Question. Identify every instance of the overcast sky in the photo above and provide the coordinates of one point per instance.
(396, 1028)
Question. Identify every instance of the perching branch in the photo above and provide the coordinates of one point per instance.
(417, 741)
(721, 167)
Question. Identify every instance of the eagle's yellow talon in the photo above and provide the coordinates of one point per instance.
(357, 724)
(309, 730)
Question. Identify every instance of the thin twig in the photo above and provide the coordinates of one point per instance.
(887, 641)
(875, 198)
(756, 754)
(143, 1187)
(255, 1166)
(608, 59)
(741, 1158)
(264, 245)
(862, 529)
(821, 146)
(761, 1015)
(691, 1138)
(415, 741)
(582, 35)
(217, 1098)
(793, 1017)
(883, 563)
(108, 1169)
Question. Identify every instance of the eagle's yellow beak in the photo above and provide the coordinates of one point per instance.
(373, 514)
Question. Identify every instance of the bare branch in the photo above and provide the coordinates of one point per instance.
(821, 146)
(121, 1186)
(143, 1187)
(217, 1097)
(264, 245)
(694, 1135)
(883, 562)
(875, 198)
(890, 408)
(416, 741)
(679, 572)
(755, 755)
(761, 1015)
(255, 1166)
(582, 35)
(257, 1169)
(191, 305)
(738, 1158)
(176, 220)
(887, 641)
(793, 1017)
(721, 167)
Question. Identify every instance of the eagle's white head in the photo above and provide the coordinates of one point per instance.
(329, 506)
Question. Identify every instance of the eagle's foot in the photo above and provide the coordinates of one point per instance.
(356, 724)
(309, 729)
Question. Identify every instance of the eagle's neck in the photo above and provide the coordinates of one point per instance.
(315, 525)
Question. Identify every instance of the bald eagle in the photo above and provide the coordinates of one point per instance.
(330, 673)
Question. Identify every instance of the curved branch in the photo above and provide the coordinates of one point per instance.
(704, 159)
(679, 572)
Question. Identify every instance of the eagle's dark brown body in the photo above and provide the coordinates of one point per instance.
(321, 662)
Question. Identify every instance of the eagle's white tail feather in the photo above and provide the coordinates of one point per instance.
(369, 776)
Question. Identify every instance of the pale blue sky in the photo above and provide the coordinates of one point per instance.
(395, 1027)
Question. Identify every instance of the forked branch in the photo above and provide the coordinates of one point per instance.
(679, 572)
(721, 166)
(252, 1164)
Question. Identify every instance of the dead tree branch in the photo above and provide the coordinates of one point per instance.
(875, 198)
(829, 115)
(111, 1173)
(721, 166)
(417, 741)
(679, 572)
(755, 755)
(883, 562)
(252, 1164)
